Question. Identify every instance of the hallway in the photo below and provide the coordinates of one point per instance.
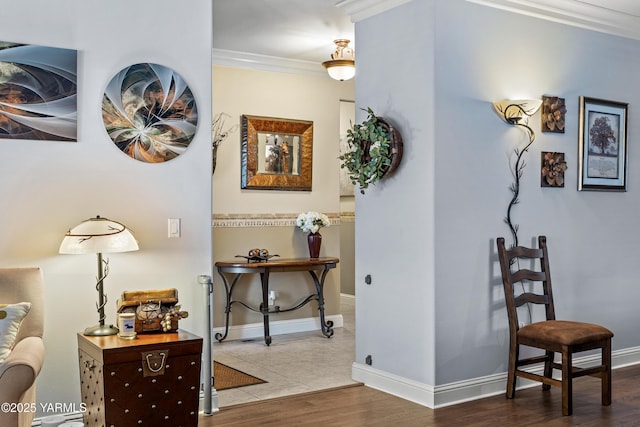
(293, 363)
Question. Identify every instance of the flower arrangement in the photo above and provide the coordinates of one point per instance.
(312, 221)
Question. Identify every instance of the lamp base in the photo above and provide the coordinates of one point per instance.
(101, 330)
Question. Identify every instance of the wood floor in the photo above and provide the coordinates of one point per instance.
(363, 406)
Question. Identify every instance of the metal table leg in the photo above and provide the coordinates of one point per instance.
(264, 306)
(325, 327)
(228, 292)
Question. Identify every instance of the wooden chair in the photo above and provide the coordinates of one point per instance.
(551, 335)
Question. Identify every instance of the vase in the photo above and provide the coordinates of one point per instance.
(214, 159)
(314, 240)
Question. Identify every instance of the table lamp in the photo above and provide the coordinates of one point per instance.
(97, 236)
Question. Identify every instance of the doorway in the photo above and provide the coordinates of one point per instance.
(294, 362)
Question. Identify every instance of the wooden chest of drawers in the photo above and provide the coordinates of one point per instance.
(151, 380)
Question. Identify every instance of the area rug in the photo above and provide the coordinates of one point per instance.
(226, 377)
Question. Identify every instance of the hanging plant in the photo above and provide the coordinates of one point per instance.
(374, 151)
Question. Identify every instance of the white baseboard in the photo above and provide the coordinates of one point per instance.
(277, 327)
(463, 391)
(396, 385)
(348, 297)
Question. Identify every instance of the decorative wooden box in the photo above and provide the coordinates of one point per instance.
(151, 380)
(150, 307)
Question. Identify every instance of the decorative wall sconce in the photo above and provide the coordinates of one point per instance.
(517, 113)
(342, 65)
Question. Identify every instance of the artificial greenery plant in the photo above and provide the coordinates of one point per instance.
(369, 151)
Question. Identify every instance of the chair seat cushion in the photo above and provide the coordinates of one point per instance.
(563, 332)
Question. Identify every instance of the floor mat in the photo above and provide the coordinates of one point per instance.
(226, 377)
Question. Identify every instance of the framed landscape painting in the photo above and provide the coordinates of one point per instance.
(602, 152)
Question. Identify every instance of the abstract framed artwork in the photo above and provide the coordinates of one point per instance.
(149, 113)
(277, 154)
(38, 92)
(602, 146)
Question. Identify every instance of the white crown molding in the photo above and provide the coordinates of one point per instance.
(252, 61)
(362, 9)
(570, 12)
(575, 13)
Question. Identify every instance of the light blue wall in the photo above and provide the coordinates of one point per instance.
(395, 219)
(483, 55)
(435, 312)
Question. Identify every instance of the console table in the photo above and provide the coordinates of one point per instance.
(265, 268)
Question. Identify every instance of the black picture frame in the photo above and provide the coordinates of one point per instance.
(602, 145)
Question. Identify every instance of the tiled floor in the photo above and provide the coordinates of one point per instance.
(293, 363)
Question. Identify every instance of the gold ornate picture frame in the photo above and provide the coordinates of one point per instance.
(277, 154)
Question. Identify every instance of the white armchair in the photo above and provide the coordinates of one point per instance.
(18, 372)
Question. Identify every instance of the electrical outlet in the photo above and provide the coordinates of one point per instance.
(272, 298)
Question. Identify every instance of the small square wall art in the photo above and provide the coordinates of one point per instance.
(553, 112)
(552, 170)
(38, 88)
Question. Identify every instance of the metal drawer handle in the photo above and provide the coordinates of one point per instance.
(155, 362)
(164, 358)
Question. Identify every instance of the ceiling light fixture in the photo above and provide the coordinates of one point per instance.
(342, 65)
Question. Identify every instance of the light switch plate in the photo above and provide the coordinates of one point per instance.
(174, 228)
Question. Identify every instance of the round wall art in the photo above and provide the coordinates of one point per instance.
(149, 113)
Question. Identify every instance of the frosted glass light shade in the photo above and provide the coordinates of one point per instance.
(517, 111)
(341, 70)
(342, 65)
(98, 235)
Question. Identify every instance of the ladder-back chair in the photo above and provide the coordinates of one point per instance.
(551, 335)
